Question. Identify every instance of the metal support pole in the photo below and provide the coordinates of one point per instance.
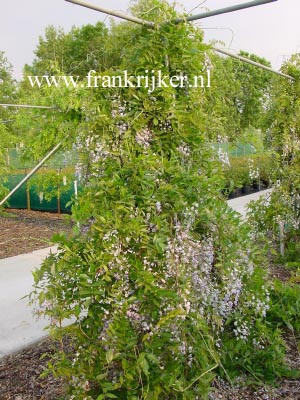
(236, 7)
(248, 61)
(114, 13)
(191, 18)
(35, 169)
(140, 21)
(27, 106)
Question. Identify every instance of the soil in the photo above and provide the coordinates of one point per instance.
(20, 375)
(23, 231)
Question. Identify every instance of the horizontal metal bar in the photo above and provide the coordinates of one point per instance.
(248, 61)
(189, 19)
(27, 106)
(114, 13)
(32, 172)
(225, 10)
(7, 121)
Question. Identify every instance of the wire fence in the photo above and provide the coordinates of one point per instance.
(239, 149)
(29, 196)
(15, 160)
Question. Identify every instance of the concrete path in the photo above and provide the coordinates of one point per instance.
(18, 326)
(240, 203)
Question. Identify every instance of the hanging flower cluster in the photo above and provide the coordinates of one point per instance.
(253, 171)
(223, 157)
(144, 137)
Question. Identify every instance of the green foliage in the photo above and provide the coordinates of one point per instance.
(224, 117)
(238, 98)
(284, 311)
(246, 171)
(7, 137)
(263, 354)
(159, 272)
(7, 95)
(7, 84)
(52, 184)
(262, 360)
(73, 53)
(283, 112)
(254, 89)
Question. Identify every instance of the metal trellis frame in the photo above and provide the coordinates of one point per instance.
(28, 106)
(149, 24)
(248, 61)
(225, 10)
(114, 13)
(32, 172)
(190, 19)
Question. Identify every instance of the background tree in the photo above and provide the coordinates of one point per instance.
(73, 53)
(50, 53)
(7, 115)
(254, 89)
(224, 122)
(7, 87)
(283, 111)
(282, 214)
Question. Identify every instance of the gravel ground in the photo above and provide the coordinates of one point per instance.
(23, 231)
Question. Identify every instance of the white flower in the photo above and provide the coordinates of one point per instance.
(184, 149)
(144, 137)
(223, 157)
(158, 207)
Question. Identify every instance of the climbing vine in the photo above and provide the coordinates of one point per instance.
(162, 280)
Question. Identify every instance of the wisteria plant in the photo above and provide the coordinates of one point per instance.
(159, 272)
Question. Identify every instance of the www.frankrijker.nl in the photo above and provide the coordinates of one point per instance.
(150, 80)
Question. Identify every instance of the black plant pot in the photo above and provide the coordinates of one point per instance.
(246, 189)
(237, 192)
(266, 183)
(256, 186)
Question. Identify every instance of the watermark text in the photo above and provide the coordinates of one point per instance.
(150, 80)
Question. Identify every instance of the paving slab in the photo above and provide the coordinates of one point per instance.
(19, 327)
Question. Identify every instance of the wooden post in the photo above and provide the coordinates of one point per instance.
(28, 197)
(281, 237)
(27, 194)
(58, 202)
(8, 158)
